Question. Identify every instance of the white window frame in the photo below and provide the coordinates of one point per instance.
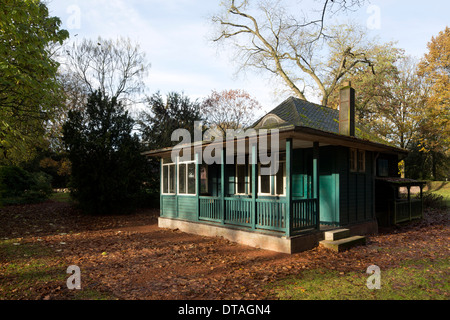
(170, 167)
(187, 163)
(281, 164)
(249, 177)
(273, 182)
(259, 183)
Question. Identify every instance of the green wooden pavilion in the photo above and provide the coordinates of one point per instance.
(326, 179)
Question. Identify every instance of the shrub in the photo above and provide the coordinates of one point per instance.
(14, 180)
(433, 200)
(20, 186)
(41, 184)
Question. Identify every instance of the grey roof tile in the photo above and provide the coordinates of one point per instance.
(302, 113)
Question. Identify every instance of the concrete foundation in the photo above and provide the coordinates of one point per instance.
(267, 241)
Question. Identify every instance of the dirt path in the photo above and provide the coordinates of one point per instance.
(129, 257)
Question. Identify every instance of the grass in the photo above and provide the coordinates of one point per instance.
(56, 196)
(27, 269)
(61, 197)
(441, 188)
(411, 280)
(445, 194)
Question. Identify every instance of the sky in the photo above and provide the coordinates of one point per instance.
(175, 35)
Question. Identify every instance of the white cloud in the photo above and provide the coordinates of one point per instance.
(172, 33)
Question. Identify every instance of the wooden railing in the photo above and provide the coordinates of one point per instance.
(238, 211)
(407, 210)
(304, 214)
(271, 214)
(210, 209)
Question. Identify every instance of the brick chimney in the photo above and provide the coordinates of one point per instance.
(347, 110)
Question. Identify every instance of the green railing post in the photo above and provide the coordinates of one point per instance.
(288, 187)
(421, 200)
(395, 212)
(409, 202)
(161, 208)
(222, 183)
(316, 186)
(254, 183)
(176, 186)
(197, 183)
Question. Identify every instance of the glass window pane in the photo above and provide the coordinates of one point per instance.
(264, 181)
(165, 179)
(203, 179)
(249, 179)
(171, 178)
(280, 179)
(240, 179)
(382, 167)
(265, 184)
(182, 178)
(191, 178)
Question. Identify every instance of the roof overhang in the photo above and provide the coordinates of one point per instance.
(401, 182)
(297, 133)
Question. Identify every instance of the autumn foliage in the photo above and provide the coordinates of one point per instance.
(230, 109)
(435, 68)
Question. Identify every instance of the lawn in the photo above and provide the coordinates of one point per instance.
(129, 257)
(410, 280)
(441, 188)
(61, 197)
(32, 271)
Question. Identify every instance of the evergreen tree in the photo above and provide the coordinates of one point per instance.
(105, 155)
(165, 116)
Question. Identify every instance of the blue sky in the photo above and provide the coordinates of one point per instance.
(173, 33)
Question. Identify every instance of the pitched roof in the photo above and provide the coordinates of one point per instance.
(299, 116)
(301, 113)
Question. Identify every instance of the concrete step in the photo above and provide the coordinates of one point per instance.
(337, 234)
(343, 244)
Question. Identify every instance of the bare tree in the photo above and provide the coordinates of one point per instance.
(269, 36)
(115, 67)
(230, 109)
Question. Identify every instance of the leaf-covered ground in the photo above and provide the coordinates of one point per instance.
(129, 257)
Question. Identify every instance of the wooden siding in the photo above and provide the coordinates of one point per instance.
(329, 187)
(187, 207)
(168, 206)
(183, 207)
(356, 189)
